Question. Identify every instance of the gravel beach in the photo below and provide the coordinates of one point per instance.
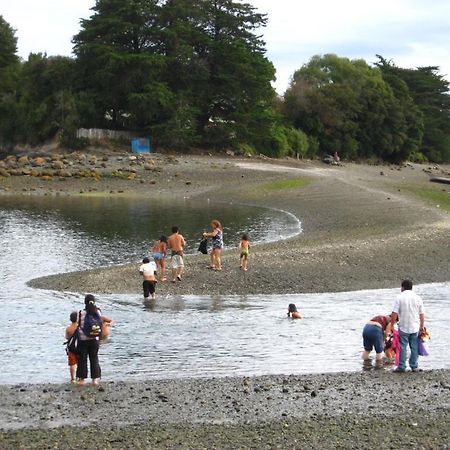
(364, 226)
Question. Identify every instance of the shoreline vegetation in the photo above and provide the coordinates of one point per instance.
(364, 226)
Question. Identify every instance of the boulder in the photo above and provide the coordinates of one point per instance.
(4, 172)
(58, 165)
(39, 161)
(23, 160)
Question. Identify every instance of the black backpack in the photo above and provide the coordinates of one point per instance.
(92, 326)
(72, 343)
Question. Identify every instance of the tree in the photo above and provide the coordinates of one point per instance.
(9, 66)
(428, 96)
(119, 56)
(188, 71)
(347, 107)
(46, 99)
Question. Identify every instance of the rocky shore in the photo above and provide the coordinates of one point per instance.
(364, 226)
(374, 409)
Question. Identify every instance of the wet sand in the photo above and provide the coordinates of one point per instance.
(363, 228)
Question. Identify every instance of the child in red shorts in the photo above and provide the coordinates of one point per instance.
(72, 358)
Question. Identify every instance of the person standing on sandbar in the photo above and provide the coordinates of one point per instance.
(176, 244)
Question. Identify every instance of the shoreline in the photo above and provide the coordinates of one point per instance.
(306, 411)
(362, 230)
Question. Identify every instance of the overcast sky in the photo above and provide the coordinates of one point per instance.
(410, 32)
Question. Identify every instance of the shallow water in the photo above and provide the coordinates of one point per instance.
(174, 336)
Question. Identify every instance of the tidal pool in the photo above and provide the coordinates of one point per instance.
(175, 336)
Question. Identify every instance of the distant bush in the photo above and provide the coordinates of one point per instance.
(417, 157)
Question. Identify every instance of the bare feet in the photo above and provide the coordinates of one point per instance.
(95, 382)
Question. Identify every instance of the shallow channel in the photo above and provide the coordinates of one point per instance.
(174, 336)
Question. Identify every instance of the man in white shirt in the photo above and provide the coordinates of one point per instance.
(148, 271)
(408, 309)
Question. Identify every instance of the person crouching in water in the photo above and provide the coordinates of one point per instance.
(293, 312)
(148, 271)
(374, 334)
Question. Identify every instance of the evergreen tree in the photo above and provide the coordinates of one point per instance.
(429, 93)
(188, 71)
(9, 67)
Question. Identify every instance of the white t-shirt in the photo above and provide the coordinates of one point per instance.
(148, 268)
(408, 306)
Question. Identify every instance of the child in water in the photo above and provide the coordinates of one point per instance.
(244, 247)
(72, 358)
(148, 272)
(292, 312)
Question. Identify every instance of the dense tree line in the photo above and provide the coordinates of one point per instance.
(193, 73)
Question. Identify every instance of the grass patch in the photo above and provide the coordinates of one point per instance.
(292, 183)
(439, 197)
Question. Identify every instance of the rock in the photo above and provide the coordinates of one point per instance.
(4, 173)
(58, 165)
(39, 162)
(149, 166)
(23, 160)
(230, 152)
(132, 158)
(314, 394)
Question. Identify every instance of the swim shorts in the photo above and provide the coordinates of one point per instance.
(72, 358)
(157, 256)
(176, 261)
(373, 337)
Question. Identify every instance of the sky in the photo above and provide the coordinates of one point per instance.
(411, 33)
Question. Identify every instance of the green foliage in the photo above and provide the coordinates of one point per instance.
(9, 67)
(8, 44)
(297, 141)
(190, 72)
(348, 107)
(428, 102)
(417, 157)
(46, 103)
(246, 149)
(292, 183)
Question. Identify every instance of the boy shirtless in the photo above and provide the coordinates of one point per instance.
(72, 358)
(176, 244)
